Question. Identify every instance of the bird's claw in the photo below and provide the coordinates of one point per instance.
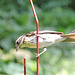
(45, 49)
(37, 55)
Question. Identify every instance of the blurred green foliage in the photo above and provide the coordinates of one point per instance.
(16, 19)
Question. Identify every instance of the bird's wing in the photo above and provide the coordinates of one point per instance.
(44, 32)
(69, 35)
(72, 34)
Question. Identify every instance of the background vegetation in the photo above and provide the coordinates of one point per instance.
(16, 19)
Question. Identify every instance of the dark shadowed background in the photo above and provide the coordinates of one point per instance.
(16, 19)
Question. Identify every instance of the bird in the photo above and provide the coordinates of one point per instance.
(46, 38)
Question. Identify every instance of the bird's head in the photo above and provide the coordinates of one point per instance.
(20, 42)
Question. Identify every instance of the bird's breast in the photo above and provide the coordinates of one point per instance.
(44, 40)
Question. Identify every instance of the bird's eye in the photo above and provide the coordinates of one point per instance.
(17, 42)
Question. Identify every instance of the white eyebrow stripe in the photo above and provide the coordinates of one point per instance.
(22, 40)
(19, 38)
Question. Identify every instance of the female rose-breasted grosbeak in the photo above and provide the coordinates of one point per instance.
(46, 38)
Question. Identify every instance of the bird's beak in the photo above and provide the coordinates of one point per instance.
(17, 47)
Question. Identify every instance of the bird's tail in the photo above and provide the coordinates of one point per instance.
(69, 37)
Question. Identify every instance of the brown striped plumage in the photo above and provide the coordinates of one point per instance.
(46, 38)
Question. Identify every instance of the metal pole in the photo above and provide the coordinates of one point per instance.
(34, 12)
(24, 66)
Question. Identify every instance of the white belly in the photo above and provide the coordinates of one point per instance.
(47, 40)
